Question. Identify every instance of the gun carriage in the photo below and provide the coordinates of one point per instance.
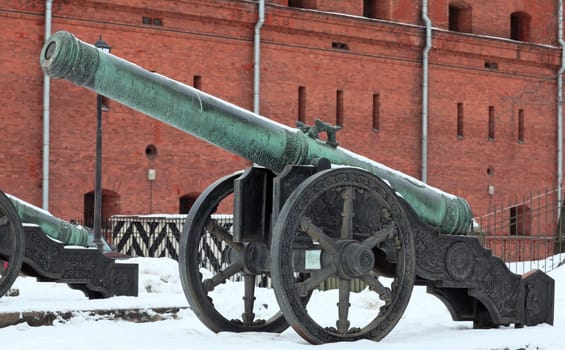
(41, 245)
(309, 211)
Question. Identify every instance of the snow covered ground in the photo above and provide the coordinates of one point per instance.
(426, 323)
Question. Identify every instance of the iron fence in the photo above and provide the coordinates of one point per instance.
(147, 235)
(527, 232)
(155, 235)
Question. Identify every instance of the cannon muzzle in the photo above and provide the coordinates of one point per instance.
(230, 127)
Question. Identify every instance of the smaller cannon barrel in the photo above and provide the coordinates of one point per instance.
(53, 227)
(232, 128)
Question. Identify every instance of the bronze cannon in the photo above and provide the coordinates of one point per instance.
(309, 213)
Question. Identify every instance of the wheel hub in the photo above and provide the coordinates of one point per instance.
(256, 258)
(355, 260)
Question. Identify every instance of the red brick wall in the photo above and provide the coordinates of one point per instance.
(21, 100)
(352, 7)
(214, 39)
(492, 17)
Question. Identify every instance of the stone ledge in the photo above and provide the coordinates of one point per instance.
(46, 318)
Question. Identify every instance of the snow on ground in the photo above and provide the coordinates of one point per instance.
(426, 324)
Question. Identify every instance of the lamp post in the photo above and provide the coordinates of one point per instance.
(104, 47)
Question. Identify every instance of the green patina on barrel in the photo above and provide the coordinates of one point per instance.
(232, 128)
(53, 227)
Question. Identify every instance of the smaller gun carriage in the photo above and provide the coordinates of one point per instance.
(308, 212)
(38, 244)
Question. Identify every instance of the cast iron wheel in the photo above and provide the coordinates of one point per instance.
(211, 262)
(343, 226)
(11, 244)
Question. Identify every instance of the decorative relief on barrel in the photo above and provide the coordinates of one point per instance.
(319, 127)
(293, 151)
(455, 220)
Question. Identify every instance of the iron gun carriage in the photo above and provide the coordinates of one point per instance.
(309, 212)
(53, 250)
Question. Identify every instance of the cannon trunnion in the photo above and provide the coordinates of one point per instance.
(309, 213)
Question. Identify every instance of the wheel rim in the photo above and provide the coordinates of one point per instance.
(211, 265)
(11, 244)
(348, 225)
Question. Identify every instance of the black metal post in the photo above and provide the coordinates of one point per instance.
(104, 47)
(98, 177)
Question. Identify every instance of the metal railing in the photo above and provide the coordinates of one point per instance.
(147, 235)
(525, 232)
(154, 235)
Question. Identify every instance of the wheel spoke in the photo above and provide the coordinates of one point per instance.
(343, 305)
(220, 232)
(210, 283)
(385, 293)
(248, 299)
(347, 214)
(315, 279)
(317, 235)
(379, 236)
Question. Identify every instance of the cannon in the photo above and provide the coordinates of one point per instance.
(41, 245)
(13, 211)
(310, 215)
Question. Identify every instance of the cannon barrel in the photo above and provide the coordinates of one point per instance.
(230, 127)
(53, 227)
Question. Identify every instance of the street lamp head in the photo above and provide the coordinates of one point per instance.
(102, 45)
